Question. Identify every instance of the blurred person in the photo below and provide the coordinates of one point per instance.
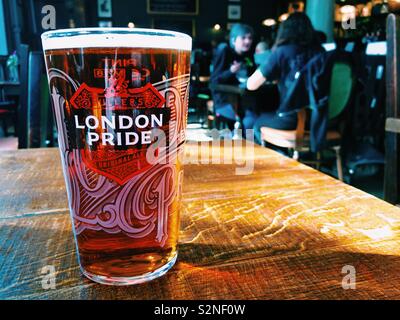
(262, 53)
(232, 64)
(266, 92)
(295, 45)
(262, 47)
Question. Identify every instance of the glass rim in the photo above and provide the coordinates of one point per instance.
(115, 37)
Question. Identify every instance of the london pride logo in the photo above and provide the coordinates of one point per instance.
(117, 95)
(115, 143)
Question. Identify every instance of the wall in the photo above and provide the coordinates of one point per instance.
(84, 13)
(210, 13)
(3, 37)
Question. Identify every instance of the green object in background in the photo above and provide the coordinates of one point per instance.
(248, 62)
(12, 67)
(45, 111)
(321, 14)
(341, 88)
(203, 96)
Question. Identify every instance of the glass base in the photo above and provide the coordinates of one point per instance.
(126, 281)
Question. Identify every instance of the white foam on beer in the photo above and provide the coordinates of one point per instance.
(115, 38)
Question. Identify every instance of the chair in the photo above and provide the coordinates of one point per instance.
(8, 112)
(341, 88)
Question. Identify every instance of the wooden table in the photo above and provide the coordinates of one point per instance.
(228, 88)
(283, 232)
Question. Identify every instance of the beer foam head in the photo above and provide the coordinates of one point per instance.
(114, 38)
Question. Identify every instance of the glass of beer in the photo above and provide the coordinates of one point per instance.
(120, 99)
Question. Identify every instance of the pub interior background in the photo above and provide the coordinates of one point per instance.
(355, 27)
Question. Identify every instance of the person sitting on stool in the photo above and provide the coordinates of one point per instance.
(295, 45)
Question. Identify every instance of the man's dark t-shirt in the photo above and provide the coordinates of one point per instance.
(223, 59)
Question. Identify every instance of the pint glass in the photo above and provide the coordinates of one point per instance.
(120, 101)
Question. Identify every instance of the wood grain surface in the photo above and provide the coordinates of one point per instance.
(283, 232)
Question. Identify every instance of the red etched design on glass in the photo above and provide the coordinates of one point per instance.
(117, 96)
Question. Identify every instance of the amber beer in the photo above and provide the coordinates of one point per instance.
(111, 89)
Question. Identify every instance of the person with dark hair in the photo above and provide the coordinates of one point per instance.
(321, 37)
(295, 45)
(232, 64)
